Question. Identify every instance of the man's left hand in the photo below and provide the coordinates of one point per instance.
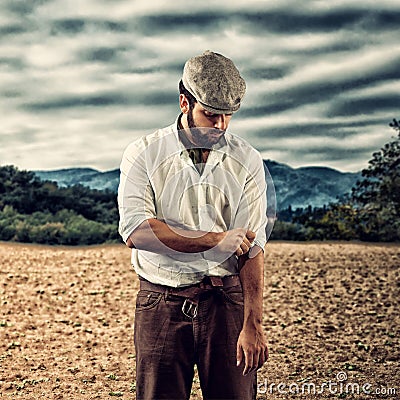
(251, 348)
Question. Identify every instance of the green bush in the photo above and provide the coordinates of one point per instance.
(288, 231)
(65, 227)
(8, 221)
(49, 233)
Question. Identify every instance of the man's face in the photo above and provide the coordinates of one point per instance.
(198, 117)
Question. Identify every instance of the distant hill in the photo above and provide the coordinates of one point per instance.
(316, 186)
(84, 176)
(298, 187)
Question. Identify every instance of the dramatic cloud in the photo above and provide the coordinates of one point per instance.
(80, 80)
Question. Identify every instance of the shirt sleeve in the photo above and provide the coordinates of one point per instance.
(135, 194)
(252, 210)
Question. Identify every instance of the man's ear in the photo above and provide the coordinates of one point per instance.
(184, 104)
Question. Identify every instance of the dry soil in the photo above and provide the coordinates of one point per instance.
(331, 315)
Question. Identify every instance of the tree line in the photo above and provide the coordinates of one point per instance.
(36, 211)
(370, 213)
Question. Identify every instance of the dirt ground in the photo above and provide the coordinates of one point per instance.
(331, 316)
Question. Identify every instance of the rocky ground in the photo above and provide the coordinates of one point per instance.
(331, 315)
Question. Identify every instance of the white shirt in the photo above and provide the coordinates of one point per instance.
(159, 180)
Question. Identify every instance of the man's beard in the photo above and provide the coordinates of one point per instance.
(202, 136)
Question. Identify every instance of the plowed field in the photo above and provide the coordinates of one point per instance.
(331, 315)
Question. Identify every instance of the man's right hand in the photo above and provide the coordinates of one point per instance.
(236, 241)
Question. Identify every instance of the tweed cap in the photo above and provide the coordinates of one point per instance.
(215, 82)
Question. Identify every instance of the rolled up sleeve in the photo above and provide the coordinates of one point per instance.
(135, 194)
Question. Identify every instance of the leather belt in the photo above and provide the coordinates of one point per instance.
(191, 294)
(193, 291)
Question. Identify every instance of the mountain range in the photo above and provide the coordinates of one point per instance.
(295, 187)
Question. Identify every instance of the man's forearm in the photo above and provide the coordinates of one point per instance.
(252, 348)
(252, 278)
(158, 237)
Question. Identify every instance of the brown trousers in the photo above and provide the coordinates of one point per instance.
(169, 343)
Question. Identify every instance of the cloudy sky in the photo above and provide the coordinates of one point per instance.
(80, 79)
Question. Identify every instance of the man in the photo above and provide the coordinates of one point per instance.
(193, 209)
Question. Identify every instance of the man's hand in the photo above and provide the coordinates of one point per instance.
(246, 244)
(236, 241)
(251, 348)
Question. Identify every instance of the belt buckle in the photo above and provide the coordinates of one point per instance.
(189, 308)
(216, 281)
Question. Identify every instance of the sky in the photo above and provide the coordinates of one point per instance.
(80, 80)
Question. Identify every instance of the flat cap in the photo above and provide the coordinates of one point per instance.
(215, 82)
